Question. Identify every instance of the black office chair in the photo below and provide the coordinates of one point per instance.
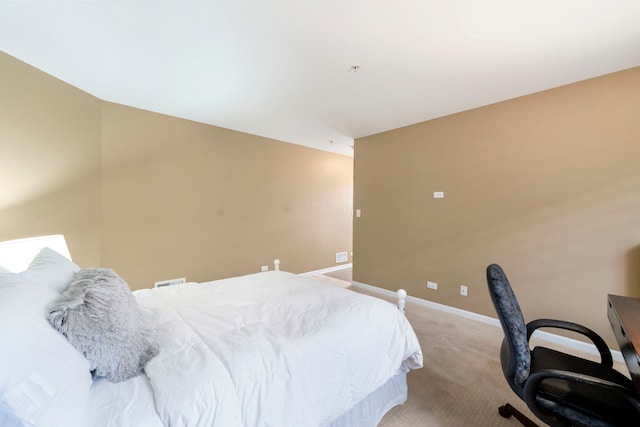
(560, 389)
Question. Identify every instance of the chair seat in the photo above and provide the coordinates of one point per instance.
(561, 396)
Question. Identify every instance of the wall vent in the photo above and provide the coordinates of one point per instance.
(341, 257)
(170, 282)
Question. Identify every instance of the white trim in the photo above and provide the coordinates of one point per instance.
(554, 338)
(327, 270)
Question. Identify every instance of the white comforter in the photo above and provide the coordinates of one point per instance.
(271, 349)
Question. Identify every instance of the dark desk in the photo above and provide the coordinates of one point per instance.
(624, 316)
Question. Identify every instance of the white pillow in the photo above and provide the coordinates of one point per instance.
(44, 381)
(4, 270)
(52, 269)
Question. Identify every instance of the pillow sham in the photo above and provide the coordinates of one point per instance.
(44, 381)
(52, 269)
(101, 318)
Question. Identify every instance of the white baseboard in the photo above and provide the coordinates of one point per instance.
(327, 270)
(554, 338)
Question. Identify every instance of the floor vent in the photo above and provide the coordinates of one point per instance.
(170, 282)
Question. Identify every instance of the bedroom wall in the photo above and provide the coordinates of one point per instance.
(547, 185)
(185, 199)
(49, 160)
(156, 197)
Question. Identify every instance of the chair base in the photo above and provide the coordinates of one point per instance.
(507, 411)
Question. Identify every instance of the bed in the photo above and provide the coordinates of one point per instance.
(265, 349)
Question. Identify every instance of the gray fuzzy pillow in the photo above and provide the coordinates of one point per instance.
(100, 317)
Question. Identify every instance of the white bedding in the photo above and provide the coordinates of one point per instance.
(125, 404)
(271, 349)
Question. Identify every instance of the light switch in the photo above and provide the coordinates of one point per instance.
(357, 213)
(438, 194)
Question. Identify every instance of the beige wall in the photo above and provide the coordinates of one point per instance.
(49, 160)
(186, 199)
(156, 197)
(547, 185)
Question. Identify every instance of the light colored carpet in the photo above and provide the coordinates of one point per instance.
(461, 383)
(342, 274)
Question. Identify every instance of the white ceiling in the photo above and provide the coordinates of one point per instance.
(281, 68)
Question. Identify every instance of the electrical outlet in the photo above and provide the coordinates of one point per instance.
(432, 285)
(264, 268)
(463, 290)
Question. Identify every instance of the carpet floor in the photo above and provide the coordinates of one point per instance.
(461, 383)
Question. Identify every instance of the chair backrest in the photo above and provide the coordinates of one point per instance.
(515, 354)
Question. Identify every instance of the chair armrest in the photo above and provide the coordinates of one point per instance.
(605, 354)
(532, 386)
